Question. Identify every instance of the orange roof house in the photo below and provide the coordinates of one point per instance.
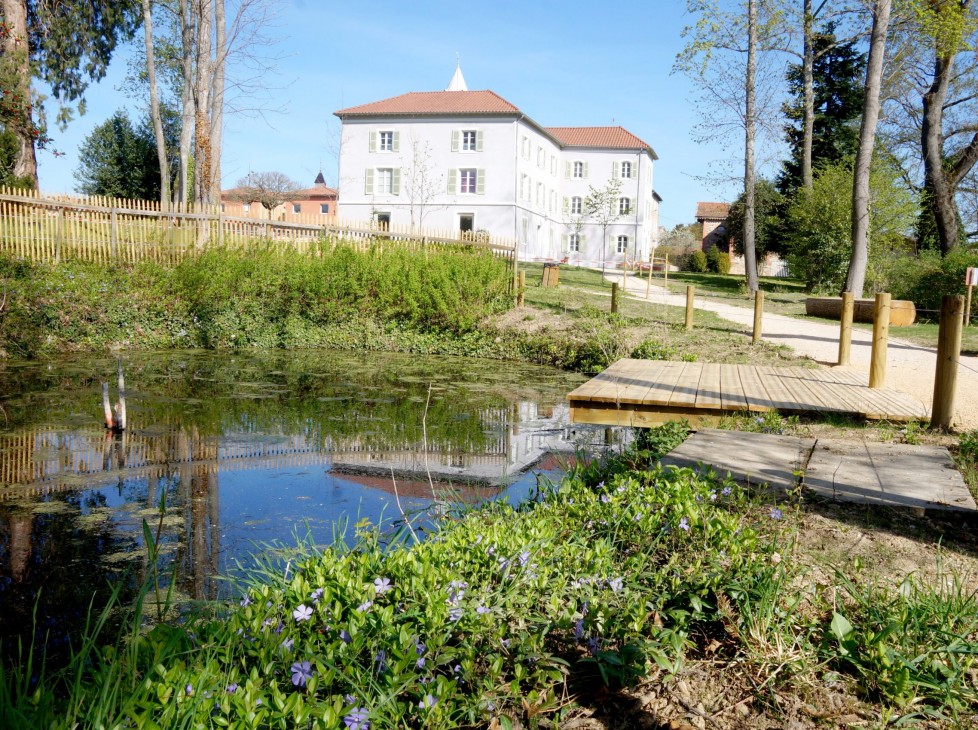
(318, 201)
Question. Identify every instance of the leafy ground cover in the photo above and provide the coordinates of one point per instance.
(625, 596)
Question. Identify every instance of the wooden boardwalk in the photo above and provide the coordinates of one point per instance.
(649, 392)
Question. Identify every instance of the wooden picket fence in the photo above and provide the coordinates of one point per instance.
(53, 228)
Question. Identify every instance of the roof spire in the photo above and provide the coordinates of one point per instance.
(458, 81)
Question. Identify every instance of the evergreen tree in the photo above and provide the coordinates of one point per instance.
(839, 70)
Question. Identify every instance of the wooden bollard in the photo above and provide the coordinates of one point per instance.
(845, 327)
(948, 355)
(614, 297)
(758, 316)
(967, 307)
(689, 306)
(522, 288)
(881, 332)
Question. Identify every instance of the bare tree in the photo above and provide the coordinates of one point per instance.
(856, 278)
(270, 189)
(750, 133)
(421, 184)
(601, 205)
(156, 117)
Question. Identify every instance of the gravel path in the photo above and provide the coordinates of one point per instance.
(909, 367)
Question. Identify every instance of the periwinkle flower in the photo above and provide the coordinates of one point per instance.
(524, 557)
(357, 719)
(482, 610)
(428, 702)
(301, 672)
(287, 644)
(188, 690)
(579, 629)
(232, 688)
(380, 659)
(349, 699)
(605, 498)
(684, 524)
(615, 584)
(593, 644)
(302, 613)
(421, 662)
(455, 614)
(726, 491)
(382, 585)
(364, 606)
(246, 601)
(776, 514)
(317, 594)
(345, 636)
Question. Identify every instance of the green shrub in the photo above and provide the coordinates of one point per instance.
(718, 261)
(697, 262)
(925, 279)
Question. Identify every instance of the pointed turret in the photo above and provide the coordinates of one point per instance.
(458, 81)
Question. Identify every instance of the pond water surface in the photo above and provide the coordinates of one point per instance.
(244, 450)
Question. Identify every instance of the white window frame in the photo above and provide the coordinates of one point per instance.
(621, 245)
(624, 206)
(470, 140)
(468, 177)
(578, 169)
(574, 243)
(385, 141)
(324, 209)
(297, 207)
(626, 170)
(576, 205)
(246, 207)
(384, 181)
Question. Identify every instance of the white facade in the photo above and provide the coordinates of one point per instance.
(413, 160)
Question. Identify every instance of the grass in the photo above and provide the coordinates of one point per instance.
(622, 574)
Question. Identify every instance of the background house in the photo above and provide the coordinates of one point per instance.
(464, 160)
(713, 217)
(319, 201)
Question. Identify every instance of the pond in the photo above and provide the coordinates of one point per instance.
(226, 454)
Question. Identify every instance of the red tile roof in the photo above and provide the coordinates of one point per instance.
(434, 102)
(712, 211)
(614, 137)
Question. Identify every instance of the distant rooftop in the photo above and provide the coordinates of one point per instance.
(430, 103)
(712, 211)
(613, 137)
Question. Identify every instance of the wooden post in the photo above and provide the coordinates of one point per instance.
(881, 330)
(113, 232)
(689, 307)
(648, 285)
(758, 316)
(948, 356)
(845, 327)
(522, 288)
(61, 232)
(665, 270)
(614, 297)
(516, 266)
(967, 307)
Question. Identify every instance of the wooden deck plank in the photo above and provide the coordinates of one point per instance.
(804, 387)
(780, 396)
(732, 389)
(687, 386)
(709, 395)
(661, 392)
(758, 399)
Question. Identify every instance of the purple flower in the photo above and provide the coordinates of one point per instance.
(364, 606)
(579, 629)
(381, 660)
(345, 635)
(605, 498)
(482, 610)
(382, 585)
(455, 614)
(457, 669)
(349, 699)
(524, 557)
(615, 584)
(317, 594)
(188, 690)
(287, 644)
(302, 613)
(419, 648)
(301, 671)
(776, 514)
(684, 524)
(726, 491)
(246, 601)
(357, 719)
(428, 701)
(232, 688)
(421, 662)
(593, 644)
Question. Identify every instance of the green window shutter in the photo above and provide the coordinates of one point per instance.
(613, 207)
(372, 145)
(455, 136)
(567, 170)
(478, 141)
(480, 182)
(614, 169)
(397, 142)
(396, 181)
(564, 243)
(566, 205)
(368, 182)
(452, 184)
(585, 169)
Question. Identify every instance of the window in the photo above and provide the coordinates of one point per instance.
(384, 181)
(469, 138)
(386, 142)
(541, 157)
(468, 178)
(622, 244)
(578, 169)
(626, 169)
(576, 205)
(523, 184)
(574, 243)
(553, 165)
(383, 221)
(526, 148)
(246, 207)
(297, 207)
(324, 208)
(466, 222)
(222, 207)
(540, 194)
(624, 206)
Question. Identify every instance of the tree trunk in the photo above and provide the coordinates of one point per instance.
(808, 88)
(154, 107)
(187, 111)
(202, 87)
(16, 54)
(750, 123)
(856, 279)
(217, 99)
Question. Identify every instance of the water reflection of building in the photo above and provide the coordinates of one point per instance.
(187, 464)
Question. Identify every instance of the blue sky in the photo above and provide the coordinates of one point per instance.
(562, 63)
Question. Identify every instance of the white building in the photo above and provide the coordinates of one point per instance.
(471, 161)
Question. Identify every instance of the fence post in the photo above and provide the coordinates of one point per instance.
(689, 307)
(614, 297)
(516, 271)
(967, 307)
(845, 327)
(522, 287)
(648, 285)
(881, 330)
(948, 355)
(665, 269)
(61, 232)
(113, 233)
(758, 316)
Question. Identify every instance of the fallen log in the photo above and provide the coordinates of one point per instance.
(902, 311)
